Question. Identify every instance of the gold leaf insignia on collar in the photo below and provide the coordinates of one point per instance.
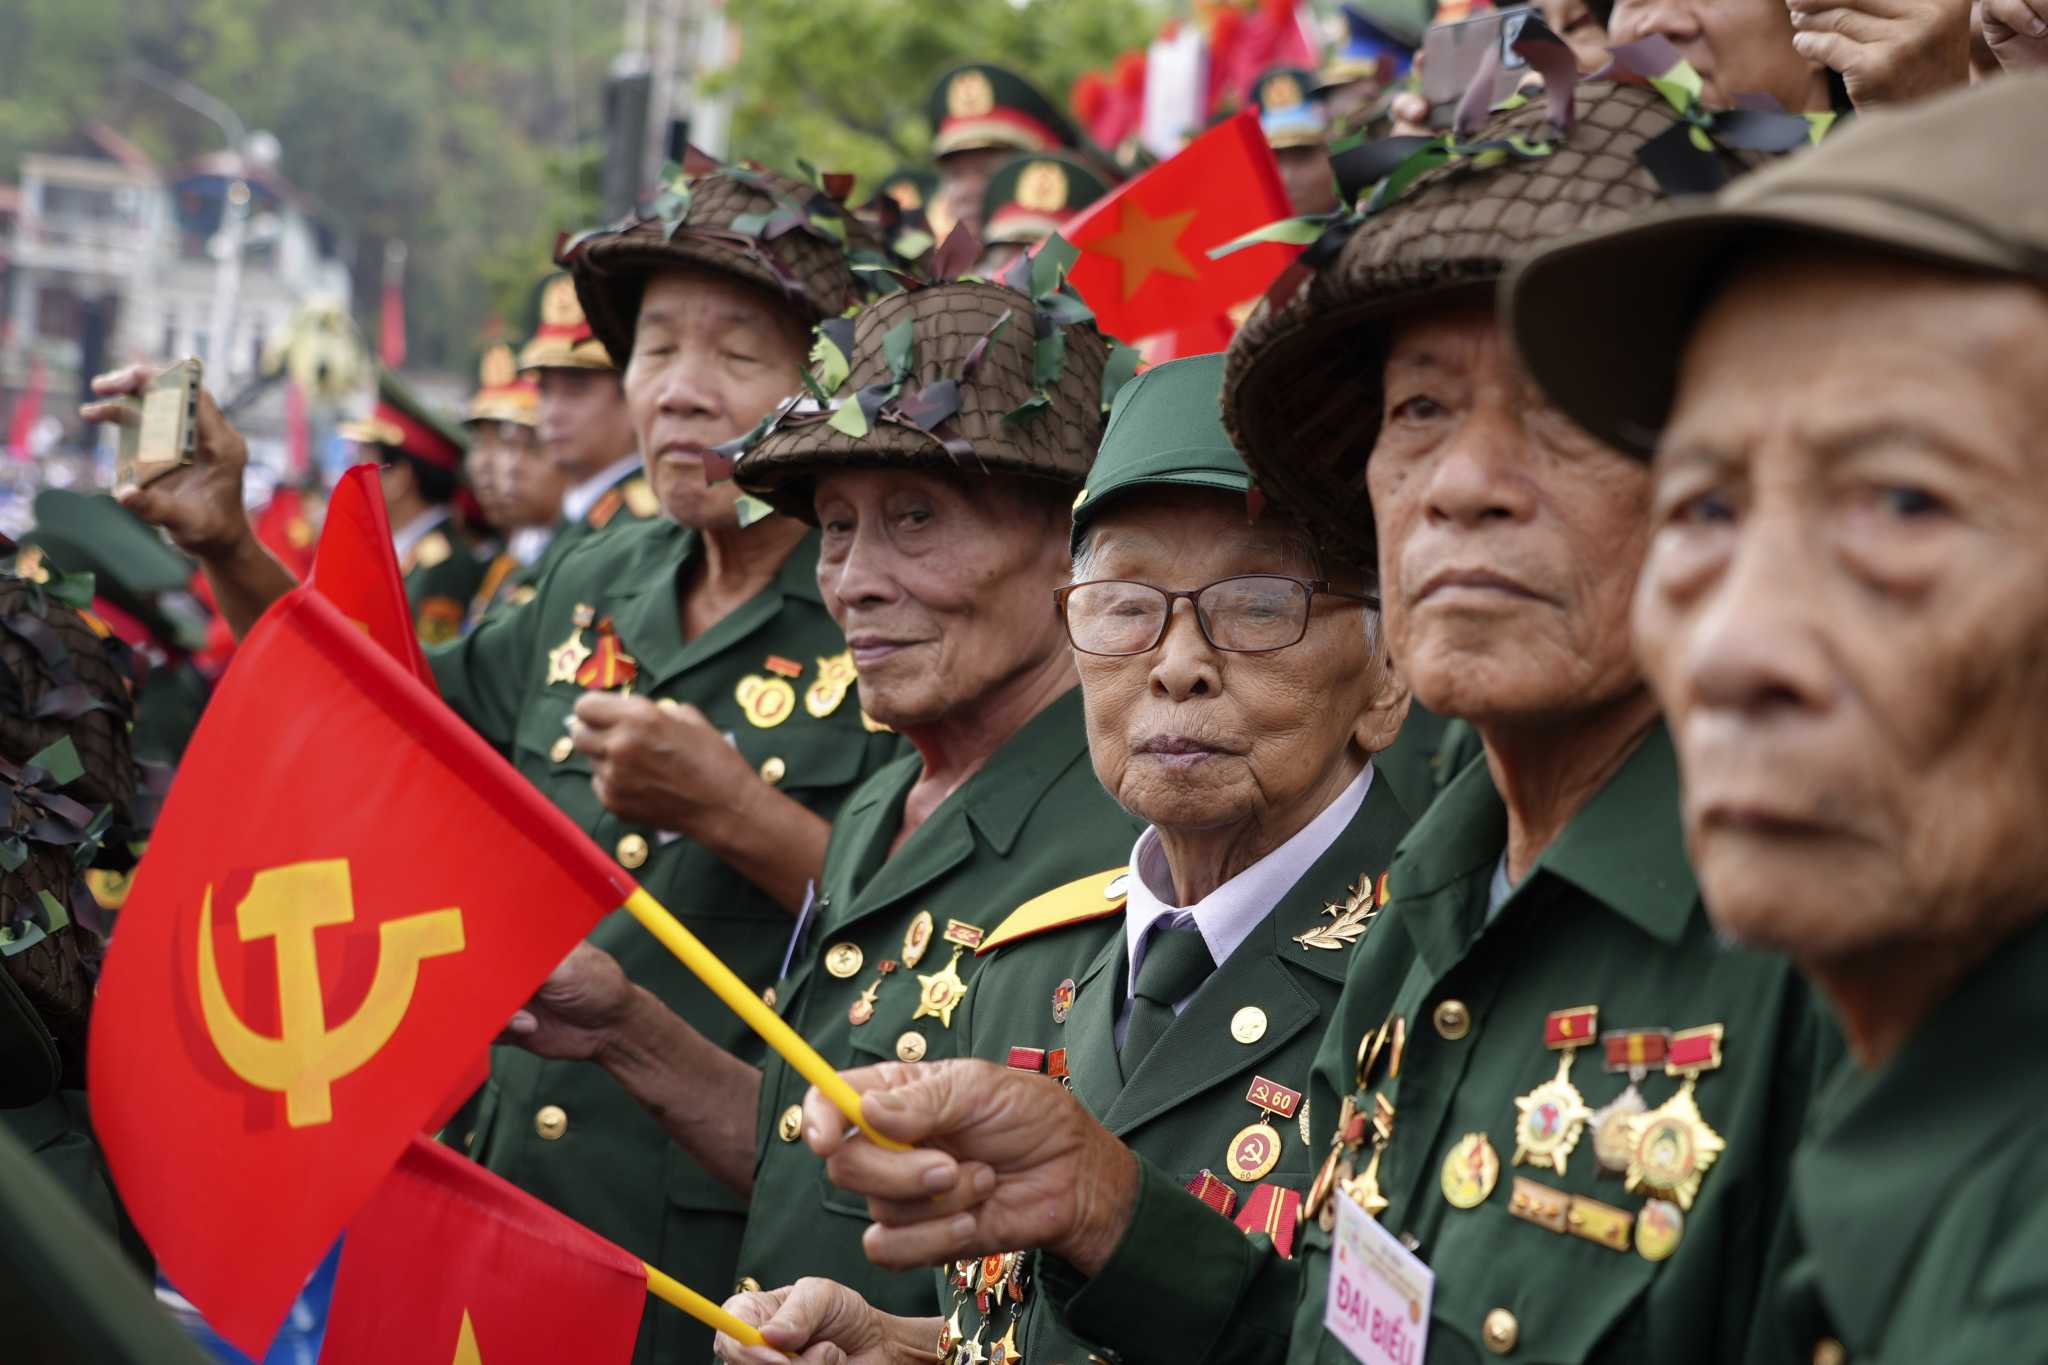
(1348, 921)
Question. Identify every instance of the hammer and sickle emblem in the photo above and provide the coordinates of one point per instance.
(289, 904)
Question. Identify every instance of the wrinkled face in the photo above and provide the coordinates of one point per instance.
(963, 178)
(1845, 606)
(1305, 171)
(711, 357)
(1189, 737)
(1739, 47)
(517, 484)
(584, 425)
(942, 584)
(1509, 538)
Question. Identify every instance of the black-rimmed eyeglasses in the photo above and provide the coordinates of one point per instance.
(1244, 614)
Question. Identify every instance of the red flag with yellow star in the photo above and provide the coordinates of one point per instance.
(1144, 264)
(347, 894)
(450, 1263)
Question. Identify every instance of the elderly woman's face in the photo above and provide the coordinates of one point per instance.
(711, 356)
(1192, 738)
(941, 584)
(1509, 538)
(1845, 606)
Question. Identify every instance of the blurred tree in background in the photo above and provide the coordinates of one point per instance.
(471, 130)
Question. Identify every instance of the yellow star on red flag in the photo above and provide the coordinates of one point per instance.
(1144, 245)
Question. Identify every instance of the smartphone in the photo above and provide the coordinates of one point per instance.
(168, 435)
(1453, 53)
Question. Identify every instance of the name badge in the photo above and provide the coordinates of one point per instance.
(1378, 1303)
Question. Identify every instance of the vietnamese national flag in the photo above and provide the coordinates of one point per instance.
(1144, 265)
(450, 1263)
(347, 894)
(356, 568)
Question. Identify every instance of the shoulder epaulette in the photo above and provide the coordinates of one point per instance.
(1091, 897)
(641, 499)
(433, 549)
(604, 509)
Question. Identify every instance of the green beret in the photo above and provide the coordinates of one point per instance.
(1165, 431)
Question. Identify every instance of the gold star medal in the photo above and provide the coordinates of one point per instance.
(1348, 1137)
(941, 992)
(1005, 1351)
(1671, 1146)
(1633, 1051)
(1255, 1150)
(1551, 1117)
(567, 657)
(949, 1337)
(1364, 1188)
(835, 675)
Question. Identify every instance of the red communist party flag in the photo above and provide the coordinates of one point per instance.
(449, 1263)
(347, 894)
(356, 568)
(1144, 265)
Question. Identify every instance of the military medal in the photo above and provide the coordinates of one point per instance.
(608, 665)
(1056, 1067)
(783, 668)
(1062, 1000)
(1554, 1114)
(949, 1337)
(917, 938)
(1671, 1146)
(1274, 1210)
(1364, 1188)
(835, 675)
(990, 1274)
(967, 935)
(1470, 1171)
(766, 702)
(863, 1007)
(941, 993)
(1005, 1352)
(1633, 1051)
(1658, 1229)
(565, 658)
(1349, 1133)
(1256, 1149)
(1215, 1193)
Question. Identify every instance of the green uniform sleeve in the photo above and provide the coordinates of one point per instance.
(484, 674)
(1232, 1297)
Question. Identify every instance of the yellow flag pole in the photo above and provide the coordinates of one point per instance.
(804, 1058)
(700, 1308)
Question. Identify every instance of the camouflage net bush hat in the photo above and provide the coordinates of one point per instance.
(1006, 376)
(1435, 220)
(794, 240)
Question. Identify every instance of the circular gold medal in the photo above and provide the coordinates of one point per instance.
(1611, 1141)
(1254, 1151)
(843, 959)
(1471, 1169)
(1658, 1229)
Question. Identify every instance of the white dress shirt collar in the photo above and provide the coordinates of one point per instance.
(577, 502)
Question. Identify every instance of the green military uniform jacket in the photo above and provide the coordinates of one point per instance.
(1608, 916)
(441, 572)
(628, 502)
(1033, 818)
(564, 1130)
(1261, 1016)
(1918, 1187)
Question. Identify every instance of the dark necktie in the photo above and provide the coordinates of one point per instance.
(1176, 963)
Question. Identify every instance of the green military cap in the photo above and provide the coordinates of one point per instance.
(402, 423)
(1165, 431)
(980, 105)
(1602, 320)
(1030, 198)
(1287, 114)
(132, 565)
(910, 188)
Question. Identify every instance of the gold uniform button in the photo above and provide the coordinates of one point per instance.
(791, 1124)
(632, 851)
(1248, 1025)
(1828, 1351)
(768, 996)
(1453, 1021)
(1500, 1331)
(746, 1284)
(843, 959)
(563, 747)
(910, 1047)
(773, 768)
(551, 1122)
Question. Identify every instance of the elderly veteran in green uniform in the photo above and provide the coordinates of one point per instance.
(941, 480)
(1029, 199)
(1182, 998)
(1847, 360)
(716, 733)
(518, 486)
(1553, 1106)
(981, 115)
(419, 457)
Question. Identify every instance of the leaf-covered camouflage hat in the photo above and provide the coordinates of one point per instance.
(1436, 220)
(1006, 376)
(794, 240)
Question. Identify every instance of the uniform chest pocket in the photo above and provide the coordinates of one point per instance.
(804, 755)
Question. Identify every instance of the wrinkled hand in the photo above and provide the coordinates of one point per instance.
(822, 1322)
(999, 1160)
(659, 763)
(199, 504)
(2016, 31)
(1887, 51)
(578, 1010)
